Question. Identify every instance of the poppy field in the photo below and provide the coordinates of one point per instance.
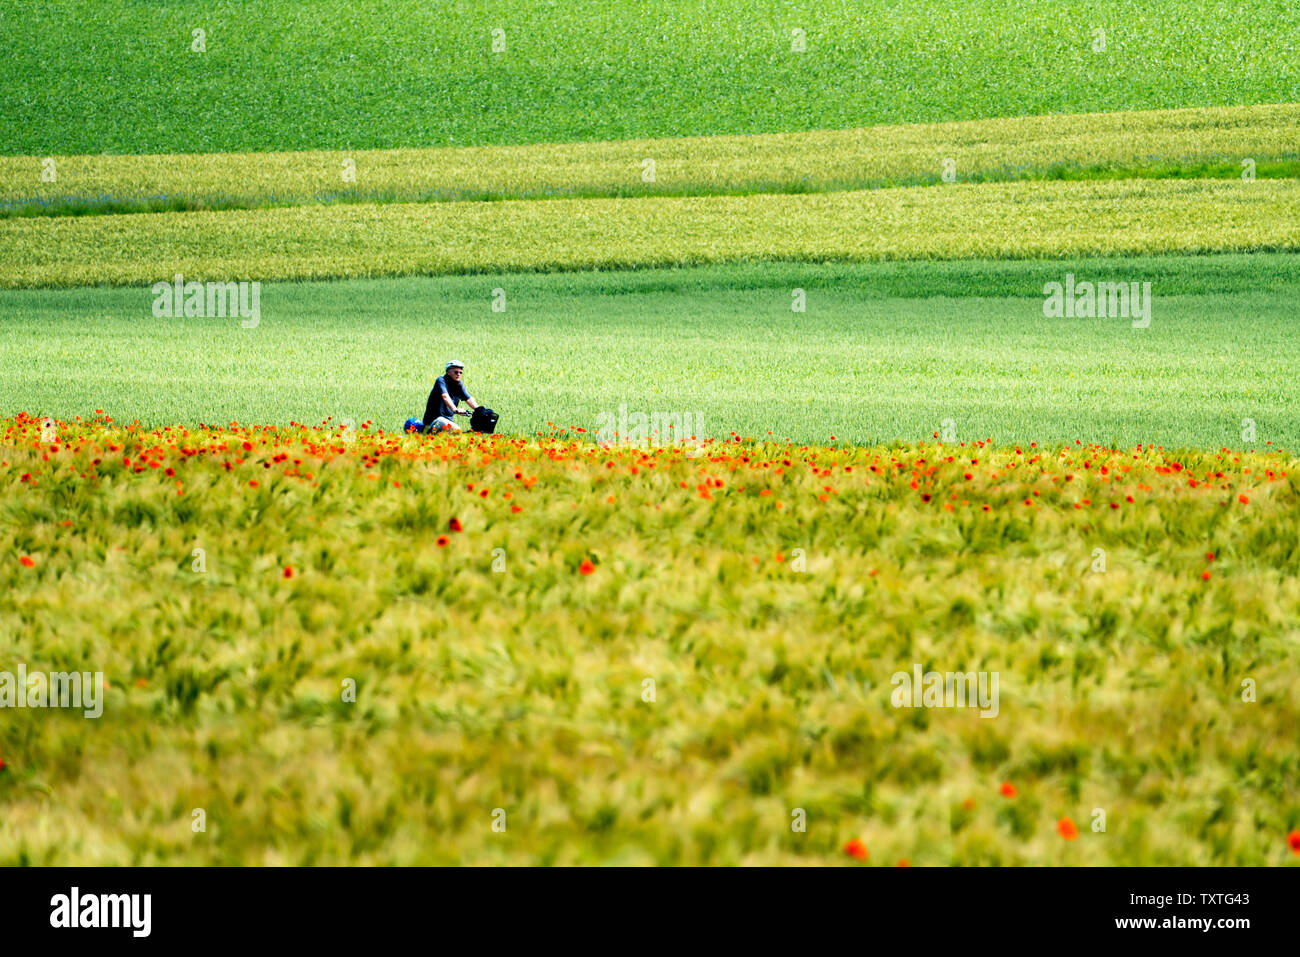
(328, 645)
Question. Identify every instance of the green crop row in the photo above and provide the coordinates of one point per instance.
(882, 351)
(1223, 142)
(992, 220)
(126, 76)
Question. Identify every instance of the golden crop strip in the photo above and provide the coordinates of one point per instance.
(1018, 148)
(990, 220)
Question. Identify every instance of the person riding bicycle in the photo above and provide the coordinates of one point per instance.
(440, 411)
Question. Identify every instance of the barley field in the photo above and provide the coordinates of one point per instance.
(1164, 144)
(988, 221)
(347, 647)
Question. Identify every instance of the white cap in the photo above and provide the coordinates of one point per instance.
(455, 364)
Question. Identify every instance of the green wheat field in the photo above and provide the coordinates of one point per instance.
(761, 294)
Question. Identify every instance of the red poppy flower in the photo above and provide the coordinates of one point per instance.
(856, 849)
(28, 561)
(1293, 839)
(1209, 556)
(1205, 575)
(288, 571)
(904, 862)
(456, 526)
(442, 540)
(1243, 500)
(1067, 829)
(1008, 789)
(586, 567)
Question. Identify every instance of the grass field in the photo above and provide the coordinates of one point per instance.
(1163, 144)
(859, 364)
(350, 649)
(119, 76)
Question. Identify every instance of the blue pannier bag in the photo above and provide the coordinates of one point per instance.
(413, 425)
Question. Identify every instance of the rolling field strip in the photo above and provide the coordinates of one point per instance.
(720, 342)
(991, 220)
(1035, 147)
(123, 76)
